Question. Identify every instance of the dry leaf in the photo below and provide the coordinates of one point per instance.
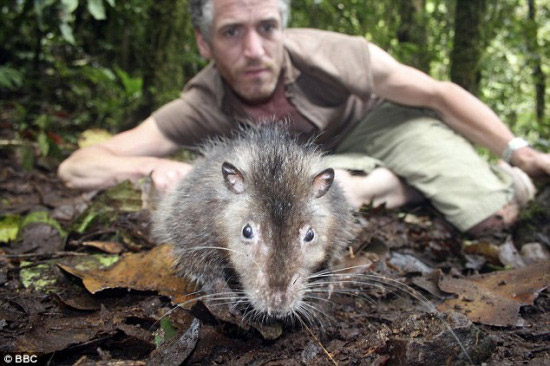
(489, 251)
(509, 255)
(359, 263)
(147, 271)
(84, 301)
(55, 334)
(428, 282)
(110, 247)
(92, 137)
(495, 298)
(409, 263)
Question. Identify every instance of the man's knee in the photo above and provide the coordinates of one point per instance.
(524, 192)
(500, 220)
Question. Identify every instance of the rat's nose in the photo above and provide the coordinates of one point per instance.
(278, 304)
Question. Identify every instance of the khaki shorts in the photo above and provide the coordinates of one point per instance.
(430, 157)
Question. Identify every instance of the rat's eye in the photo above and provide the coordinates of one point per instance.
(309, 235)
(248, 233)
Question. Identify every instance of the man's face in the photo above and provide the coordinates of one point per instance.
(247, 46)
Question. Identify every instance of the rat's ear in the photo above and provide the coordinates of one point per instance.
(322, 182)
(233, 178)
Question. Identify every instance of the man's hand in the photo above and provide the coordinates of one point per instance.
(129, 155)
(535, 163)
(167, 173)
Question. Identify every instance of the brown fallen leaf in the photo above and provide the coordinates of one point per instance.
(495, 298)
(106, 246)
(428, 282)
(147, 271)
(55, 334)
(425, 339)
(488, 250)
(362, 262)
(84, 301)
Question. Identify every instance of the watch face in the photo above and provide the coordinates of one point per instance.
(517, 143)
(513, 145)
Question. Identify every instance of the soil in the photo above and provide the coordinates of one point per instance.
(374, 321)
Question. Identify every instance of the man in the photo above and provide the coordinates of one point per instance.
(342, 89)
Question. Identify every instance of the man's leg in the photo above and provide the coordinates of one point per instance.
(524, 190)
(379, 187)
(430, 157)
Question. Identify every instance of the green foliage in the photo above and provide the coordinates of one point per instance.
(27, 158)
(37, 276)
(42, 217)
(10, 78)
(96, 8)
(123, 197)
(506, 83)
(107, 64)
(132, 86)
(9, 227)
(166, 332)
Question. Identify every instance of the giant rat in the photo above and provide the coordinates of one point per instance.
(259, 211)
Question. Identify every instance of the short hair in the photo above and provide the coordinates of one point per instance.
(202, 15)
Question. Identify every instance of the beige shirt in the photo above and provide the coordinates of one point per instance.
(326, 76)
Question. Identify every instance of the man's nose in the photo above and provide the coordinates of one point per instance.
(253, 46)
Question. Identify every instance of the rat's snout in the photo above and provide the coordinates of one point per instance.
(281, 297)
(279, 303)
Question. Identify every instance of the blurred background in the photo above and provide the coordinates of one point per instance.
(70, 65)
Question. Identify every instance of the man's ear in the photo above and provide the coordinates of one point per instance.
(204, 47)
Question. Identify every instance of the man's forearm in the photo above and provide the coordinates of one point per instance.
(468, 116)
(96, 168)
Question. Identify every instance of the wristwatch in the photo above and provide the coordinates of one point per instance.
(513, 145)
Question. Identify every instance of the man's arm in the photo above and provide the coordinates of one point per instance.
(459, 109)
(129, 155)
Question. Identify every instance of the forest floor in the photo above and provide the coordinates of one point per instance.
(82, 282)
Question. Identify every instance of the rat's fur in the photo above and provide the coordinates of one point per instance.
(280, 188)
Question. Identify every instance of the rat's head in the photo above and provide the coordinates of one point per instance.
(280, 226)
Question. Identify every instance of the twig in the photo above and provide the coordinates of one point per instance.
(43, 256)
(323, 347)
(13, 142)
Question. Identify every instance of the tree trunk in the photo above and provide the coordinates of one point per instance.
(412, 35)
(168, 37)
(468, 43)
(535, 60)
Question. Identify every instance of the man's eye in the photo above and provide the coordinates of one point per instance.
(267, 28)
(230, 32)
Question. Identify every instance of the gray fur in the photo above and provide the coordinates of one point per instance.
(278, 202)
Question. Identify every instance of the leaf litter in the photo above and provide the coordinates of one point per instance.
(94, 288)
(147, 271)
(496, 298)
